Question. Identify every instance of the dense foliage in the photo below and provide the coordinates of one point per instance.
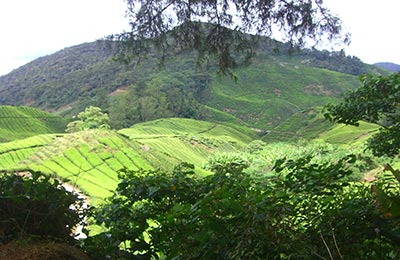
(336, 61)
(302, 210)
(91, 118)
(376, 101)
(165, 95)
(33, 204)
(61, 78)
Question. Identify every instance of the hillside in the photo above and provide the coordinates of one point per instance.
(275, 86)
(349, 135)
(38, 82)
(270, 92)
(91, 159)
(22, 122)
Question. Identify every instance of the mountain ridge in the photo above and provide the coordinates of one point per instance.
(390, 66)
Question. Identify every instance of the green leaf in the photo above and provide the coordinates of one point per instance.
(153, 190)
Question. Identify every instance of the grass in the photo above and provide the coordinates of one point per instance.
(91, 159)
(268, 93)
(166, 142)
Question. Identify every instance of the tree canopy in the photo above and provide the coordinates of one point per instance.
(376, 101)
(91, 118)
(217, 27)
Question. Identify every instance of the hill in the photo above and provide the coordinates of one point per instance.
(275, 86)
(91, 159)
(22, 122)
(388, 66)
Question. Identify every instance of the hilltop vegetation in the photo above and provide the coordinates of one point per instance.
(268, 93)
(21, 122)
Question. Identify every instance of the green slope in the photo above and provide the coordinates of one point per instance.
(91, 159)
(269, 92)
(349, 135)
(187, 139)
(22, 122)
(306, 124)
(310, 124)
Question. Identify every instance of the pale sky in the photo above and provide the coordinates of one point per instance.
(33, 28)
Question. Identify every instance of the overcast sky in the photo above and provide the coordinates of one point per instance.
(33, 28)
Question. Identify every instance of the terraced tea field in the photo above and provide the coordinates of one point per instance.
(22, 122)
(90, 160)
(349, 135)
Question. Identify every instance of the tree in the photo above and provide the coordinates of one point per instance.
(91, 118)
(153, 102)
(217, 27)
(376, 101)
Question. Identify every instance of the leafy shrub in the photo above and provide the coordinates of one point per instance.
(227, 163)
(34, 204)
(255, 146)
(376, 101)
(302, 210)
(338, 219)
(91, 118)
